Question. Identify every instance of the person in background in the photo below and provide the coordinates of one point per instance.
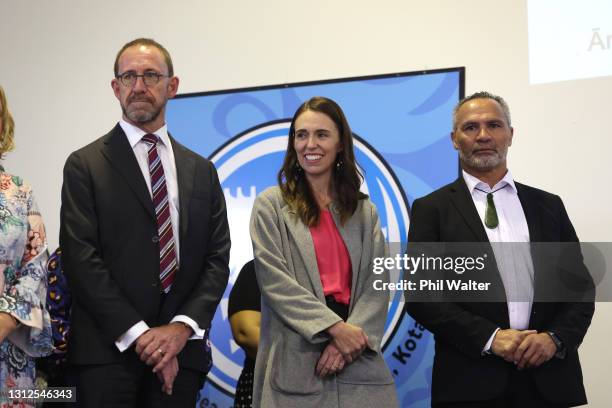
(25, 327)
(244, 311)
(314, 237)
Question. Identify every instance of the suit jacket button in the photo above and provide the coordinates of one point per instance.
(154, 284)
(155, 239)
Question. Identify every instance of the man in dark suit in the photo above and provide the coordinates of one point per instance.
(145, 243)
(516, 353)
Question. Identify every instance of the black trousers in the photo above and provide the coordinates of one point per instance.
(338, 308)
(133, 385)
(521, 392)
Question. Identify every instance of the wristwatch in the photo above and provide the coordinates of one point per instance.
(558, 343)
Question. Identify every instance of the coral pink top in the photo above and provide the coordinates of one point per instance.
(333, 259)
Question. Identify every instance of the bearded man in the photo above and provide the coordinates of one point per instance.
(145, 243)
(515, 352)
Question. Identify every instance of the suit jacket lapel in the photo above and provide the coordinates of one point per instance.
(462, 200)
(185, 174)
(305, 245)
(532, 213)
(120, 155)
(534, 224)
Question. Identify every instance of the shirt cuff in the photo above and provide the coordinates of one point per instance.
(130, 336)
(487, 347)
(198, 334)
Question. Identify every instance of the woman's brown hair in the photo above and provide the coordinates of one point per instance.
(346, 178)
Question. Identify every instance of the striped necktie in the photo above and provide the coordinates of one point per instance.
(167, 251)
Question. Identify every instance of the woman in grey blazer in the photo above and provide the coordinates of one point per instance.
(314, 239)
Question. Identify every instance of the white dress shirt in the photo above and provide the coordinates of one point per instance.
(166, 155)
(513, 261)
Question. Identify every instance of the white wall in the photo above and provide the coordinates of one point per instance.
(57, 62)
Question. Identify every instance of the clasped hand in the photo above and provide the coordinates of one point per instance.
(347, 344)
(525, 348)
(330, 362)
(350, 340)
(159, 347)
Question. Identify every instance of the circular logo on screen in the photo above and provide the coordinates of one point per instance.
(247, 165)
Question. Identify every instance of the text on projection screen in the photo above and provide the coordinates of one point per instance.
(569, 39)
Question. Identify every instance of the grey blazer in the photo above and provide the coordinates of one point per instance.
(294, 315)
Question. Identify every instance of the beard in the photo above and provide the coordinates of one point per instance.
(483, 162)
(141, 116)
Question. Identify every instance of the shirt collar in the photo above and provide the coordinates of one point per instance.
(135, 134)
(473, 182)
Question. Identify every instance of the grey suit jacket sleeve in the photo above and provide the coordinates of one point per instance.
(294, 305)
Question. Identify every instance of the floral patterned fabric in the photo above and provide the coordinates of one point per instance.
(23, 285)
(59, 300)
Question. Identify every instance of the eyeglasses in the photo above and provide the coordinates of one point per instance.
(149, 78)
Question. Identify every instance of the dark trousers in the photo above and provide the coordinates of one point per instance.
(132, 384)
(521, 392)
(338, 308)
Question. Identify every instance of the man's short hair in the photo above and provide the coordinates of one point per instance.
(482, 95)
(149, 42)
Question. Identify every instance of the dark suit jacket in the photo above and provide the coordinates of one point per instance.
(110, 248)
(461, 330)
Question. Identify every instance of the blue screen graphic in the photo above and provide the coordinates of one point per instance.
(401, 124)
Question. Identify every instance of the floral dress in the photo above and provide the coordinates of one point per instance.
(23, 277)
